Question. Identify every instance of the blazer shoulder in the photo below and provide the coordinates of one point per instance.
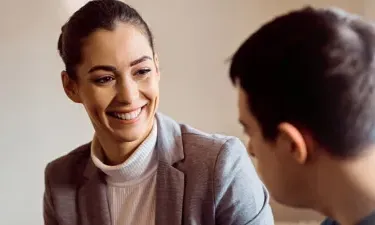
(205, 145)
(67, 166)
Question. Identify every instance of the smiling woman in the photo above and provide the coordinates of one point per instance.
(117, 84)
(141, 166)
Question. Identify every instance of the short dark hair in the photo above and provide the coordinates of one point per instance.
(313, 68)
(94, 15)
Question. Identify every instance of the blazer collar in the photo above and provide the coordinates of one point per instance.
(169, 142)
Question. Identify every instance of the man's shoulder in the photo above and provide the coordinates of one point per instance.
(329, 221)
(369, 220)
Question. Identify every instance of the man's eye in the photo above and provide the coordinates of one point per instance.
(104, 80)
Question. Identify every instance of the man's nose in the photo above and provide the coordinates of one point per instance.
(250, 148)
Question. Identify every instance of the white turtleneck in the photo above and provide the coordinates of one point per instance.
(132, 184)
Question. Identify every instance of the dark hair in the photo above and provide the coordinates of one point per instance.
(94, 15)
(313, 68)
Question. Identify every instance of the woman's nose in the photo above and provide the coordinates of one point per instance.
(127, 91)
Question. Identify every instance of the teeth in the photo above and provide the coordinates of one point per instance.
(129, 115)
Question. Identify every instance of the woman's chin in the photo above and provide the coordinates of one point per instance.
(127, 136)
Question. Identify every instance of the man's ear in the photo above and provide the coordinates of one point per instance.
(70, 87)
(295, 138)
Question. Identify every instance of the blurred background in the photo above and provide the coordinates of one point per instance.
(194, 38)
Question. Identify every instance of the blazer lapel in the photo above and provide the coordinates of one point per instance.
(92, 199)
(169, 195)
(170, 181)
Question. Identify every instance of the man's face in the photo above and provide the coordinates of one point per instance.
(275, 159)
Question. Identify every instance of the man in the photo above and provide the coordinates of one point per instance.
(306, 99)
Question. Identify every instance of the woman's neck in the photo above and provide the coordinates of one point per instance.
(116, 152)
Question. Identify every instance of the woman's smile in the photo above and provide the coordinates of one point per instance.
(126, 116)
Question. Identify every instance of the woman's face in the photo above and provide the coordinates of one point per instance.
(118, 83)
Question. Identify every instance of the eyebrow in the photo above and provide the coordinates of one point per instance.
(104, 68)
(142, 59)
(114, 69)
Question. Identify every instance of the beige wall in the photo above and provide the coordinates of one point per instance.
(193, 37)
(369, 9)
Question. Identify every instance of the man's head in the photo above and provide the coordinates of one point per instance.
(306, 96)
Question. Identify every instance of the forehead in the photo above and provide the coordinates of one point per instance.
(121, 45)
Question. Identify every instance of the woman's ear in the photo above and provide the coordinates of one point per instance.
(295, 138)
(70, 87)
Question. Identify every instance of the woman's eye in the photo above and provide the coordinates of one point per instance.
(143, 72)
(104, 80)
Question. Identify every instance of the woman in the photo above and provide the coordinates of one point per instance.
(141, 166)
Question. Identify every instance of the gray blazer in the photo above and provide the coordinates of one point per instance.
(201, 179)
